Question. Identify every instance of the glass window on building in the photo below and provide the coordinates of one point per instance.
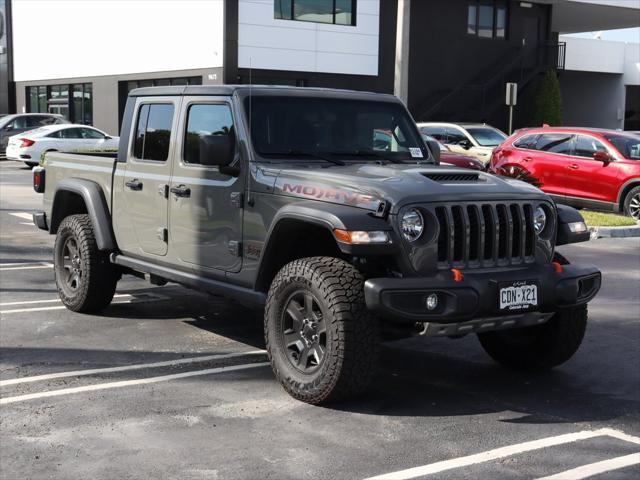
(339, 12)
(76, 107)
(487, 18)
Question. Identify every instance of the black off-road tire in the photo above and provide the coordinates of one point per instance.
(96, 279)
(351, 352)
(540, 347)
(632, 203)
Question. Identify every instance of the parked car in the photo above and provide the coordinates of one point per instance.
(29, 146)
(339, 244)
(476, 140)
(449, 158)
(582, 167)
(11, 125)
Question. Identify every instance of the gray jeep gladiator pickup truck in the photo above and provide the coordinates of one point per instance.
(326, 209)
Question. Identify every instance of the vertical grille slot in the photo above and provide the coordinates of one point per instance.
(489, 235)
(474, 234)
(458, 234)
(530, 234)
(443, 235)
(502, 230)
(517, 230)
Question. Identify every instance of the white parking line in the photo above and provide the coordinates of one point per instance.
(120, 299)
(53, 300)
(596, 468)
(23, 215)
(8, 267)
(138, 366)
(502, 453)
(127, 383)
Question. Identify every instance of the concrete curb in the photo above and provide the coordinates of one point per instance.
(614, 232)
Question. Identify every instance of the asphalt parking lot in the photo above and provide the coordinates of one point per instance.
(170, 383)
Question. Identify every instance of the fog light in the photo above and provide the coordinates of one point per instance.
(578, 227)
(432, 301)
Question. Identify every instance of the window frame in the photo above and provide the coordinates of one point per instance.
(134, 128)
(495, 6)
(354, 11)
(183, 131)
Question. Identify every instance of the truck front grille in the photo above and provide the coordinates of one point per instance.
(485, 235)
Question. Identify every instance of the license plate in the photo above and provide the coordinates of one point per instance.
(518, 295)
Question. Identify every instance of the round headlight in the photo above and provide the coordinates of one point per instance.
(412, 224)
(539, 220)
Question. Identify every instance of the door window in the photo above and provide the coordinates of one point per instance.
(555, 143)
(71, 133)
(587, 146)
(153, 132)
(203, 120)
(92, 134)
(454, 137)
(528, 142)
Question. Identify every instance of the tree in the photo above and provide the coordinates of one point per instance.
(548, 102)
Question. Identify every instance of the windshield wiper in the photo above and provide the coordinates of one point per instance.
(305, 153)
(368, 153)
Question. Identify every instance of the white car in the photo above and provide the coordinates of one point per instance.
(29, 146)
(476, 140)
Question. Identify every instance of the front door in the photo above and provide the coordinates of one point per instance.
(588, 178)
(205, 206)
(144, 183)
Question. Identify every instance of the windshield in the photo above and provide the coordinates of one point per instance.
(627, 145)
(337, 128)
(487, 137)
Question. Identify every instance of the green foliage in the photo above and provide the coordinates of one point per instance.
(548, 102)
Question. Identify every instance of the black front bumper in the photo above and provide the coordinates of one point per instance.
(404, 299)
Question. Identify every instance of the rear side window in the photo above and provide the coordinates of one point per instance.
(153, 132)
(526, 141)
(56, 134)
(587, 146)
(205, 120)
(555, 143)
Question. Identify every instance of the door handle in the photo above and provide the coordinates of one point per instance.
(527, 159)
(134, 184)
(181, 191)
(574, 166)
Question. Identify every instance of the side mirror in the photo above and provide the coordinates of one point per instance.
(603, 157)
(107, 137)
(434, 147)
(217, 150)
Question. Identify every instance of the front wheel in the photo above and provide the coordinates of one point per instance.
(85, 278)
(321, 340)
(540, 347)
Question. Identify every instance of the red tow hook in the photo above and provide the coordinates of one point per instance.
(457, 275)
(557, 267)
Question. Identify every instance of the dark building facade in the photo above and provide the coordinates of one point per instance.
(7, 88)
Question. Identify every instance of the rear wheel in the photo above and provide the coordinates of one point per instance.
(322, 341)
(85, 278)
(632, 203)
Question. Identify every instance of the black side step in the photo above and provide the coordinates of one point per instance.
(216, 287)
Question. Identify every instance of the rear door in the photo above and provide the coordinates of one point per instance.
(144, 184)
(549, 160)
(205, 206)
(588, 178)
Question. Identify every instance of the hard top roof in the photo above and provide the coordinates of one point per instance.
(255, 89)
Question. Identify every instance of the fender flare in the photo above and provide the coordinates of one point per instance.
(631, 182)
(97, 209)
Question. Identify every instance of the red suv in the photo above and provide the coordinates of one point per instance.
(598, 169)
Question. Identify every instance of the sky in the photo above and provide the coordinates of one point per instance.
(630, 35)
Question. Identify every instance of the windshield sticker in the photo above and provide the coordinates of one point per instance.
(415, 152)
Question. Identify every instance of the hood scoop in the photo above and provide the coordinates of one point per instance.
(453, 177)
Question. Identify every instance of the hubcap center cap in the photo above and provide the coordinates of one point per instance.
(309, 331)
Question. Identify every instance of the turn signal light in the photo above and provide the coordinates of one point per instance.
(361, 237)
(26, 142)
